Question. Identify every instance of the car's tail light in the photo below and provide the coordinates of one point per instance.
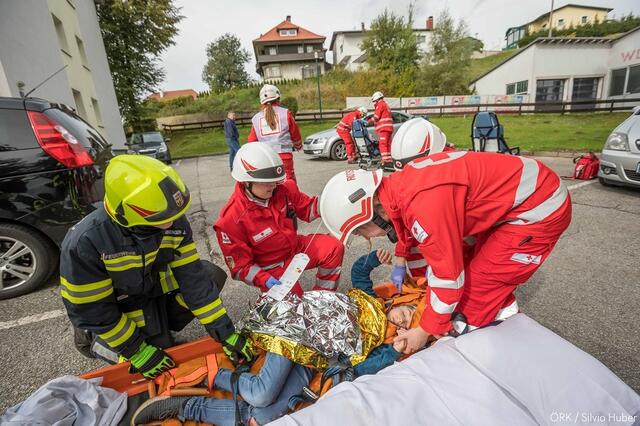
(56, 141)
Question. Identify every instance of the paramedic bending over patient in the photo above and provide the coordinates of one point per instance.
(257, 228)
(519, 206)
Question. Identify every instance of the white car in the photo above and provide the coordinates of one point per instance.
(328, 144)
(620, 160)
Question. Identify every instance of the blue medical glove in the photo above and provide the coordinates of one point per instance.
(272, 281)
(397, 276)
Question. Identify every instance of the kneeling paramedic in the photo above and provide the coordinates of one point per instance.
(130, 272)
(257, 228)
(517, 206)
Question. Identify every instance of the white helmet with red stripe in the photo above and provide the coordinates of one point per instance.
(269, 93)
(376, 96)
(347, 201)
(257, 162)
(363, 111)
(416, 138)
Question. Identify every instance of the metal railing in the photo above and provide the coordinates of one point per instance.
(605, 106)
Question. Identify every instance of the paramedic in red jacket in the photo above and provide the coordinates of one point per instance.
(383, 122)
(518, 205)
(276, 127)
(344, 132)
(256, 229)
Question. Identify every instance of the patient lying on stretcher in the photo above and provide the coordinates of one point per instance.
(268, 392)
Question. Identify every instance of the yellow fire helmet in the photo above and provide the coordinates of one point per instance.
(140, 190)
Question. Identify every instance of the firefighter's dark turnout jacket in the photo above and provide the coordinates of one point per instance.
(110, 277)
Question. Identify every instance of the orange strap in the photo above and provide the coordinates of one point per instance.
(212, 370)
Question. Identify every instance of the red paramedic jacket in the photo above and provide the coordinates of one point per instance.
(347, 121)
(294, 131)
(255, 238)
(442, 198)
(382, 118)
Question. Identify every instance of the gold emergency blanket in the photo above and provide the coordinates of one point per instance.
(310, 330)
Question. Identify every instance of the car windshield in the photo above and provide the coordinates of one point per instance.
(152, 139)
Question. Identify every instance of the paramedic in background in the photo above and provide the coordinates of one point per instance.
(257, 227)
(231, 136)
(517, 206)
(383, 122)
(344, 132)
(130, 273)
(276, 127)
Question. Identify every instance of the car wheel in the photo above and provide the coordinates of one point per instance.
(604, 182)
(27, 259)
(338, 151)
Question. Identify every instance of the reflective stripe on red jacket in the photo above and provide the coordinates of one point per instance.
(382, 118)
(441, 198)
(255, 237)
(347, 121)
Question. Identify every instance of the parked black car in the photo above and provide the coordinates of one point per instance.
(151, 144)
(51, 176)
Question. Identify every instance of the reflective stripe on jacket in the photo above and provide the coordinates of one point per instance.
(279, 138)
(108, 275)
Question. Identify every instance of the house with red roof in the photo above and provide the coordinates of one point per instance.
(166, 95)
(288, 51)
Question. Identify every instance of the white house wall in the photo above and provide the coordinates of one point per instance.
(624, 53)
(516, 69)
(568, 62)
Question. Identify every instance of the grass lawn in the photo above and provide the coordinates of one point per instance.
(189, 143)
(539, 132)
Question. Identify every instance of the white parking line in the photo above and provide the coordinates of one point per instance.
(32, 318)
(581, 184)
(178, 163)
(61, 312)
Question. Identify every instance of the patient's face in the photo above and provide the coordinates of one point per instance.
(400, 316)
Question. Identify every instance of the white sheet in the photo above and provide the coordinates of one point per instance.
(516, 373)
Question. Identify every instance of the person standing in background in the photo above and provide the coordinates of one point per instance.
(276, 126)
(232, 136)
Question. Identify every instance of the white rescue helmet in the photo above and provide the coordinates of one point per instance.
(257, 162)
(347, 201)
(376, 96)
(269, 93)
(414, 139)
(363, 111)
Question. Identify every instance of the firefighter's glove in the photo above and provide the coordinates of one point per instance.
(271, 282)
(397, 276)
(238, 349)
(151, 361)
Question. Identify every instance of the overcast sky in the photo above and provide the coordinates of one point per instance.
(205, 20)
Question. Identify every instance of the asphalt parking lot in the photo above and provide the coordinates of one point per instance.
(587, 291)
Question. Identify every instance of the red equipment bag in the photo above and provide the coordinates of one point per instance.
(586, 167)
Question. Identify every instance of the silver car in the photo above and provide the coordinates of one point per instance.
(620, 161)
(329, 145)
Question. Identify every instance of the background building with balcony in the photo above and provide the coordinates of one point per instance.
(39, 38)
(346, 46)
(288, 51)
(565, 17)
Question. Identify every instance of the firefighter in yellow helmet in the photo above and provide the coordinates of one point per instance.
(130, 272)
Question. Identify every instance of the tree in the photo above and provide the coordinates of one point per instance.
(391, 43)
(225, 64)
(135, 33)
(445, 67)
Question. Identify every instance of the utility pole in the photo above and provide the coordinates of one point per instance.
(316, 55)
(551, 20)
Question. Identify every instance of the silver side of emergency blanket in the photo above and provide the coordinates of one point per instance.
(515, 373)
(67, 401)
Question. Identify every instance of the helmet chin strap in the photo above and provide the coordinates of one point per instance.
(386, 227)
(249, 187)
